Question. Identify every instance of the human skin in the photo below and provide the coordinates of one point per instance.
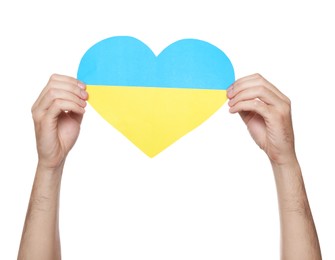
(57, 115)
(267, 115)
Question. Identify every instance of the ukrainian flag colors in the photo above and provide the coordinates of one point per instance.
(151, 100)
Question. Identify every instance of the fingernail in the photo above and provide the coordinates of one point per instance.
(83, 94)
(83, 103)
(231, 110)
(81, 85)
(230, 90)
(230, 102)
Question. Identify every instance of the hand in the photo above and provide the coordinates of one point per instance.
(57, 115)
(267, 114)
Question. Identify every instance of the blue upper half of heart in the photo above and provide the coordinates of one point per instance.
(126, 61)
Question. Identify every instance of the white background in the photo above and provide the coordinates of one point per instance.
(211, 195)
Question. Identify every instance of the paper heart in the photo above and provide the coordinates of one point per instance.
(151, 100)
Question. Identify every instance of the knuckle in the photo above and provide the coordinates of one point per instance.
(54, 76)
(263, 82)
(258, 75)
(256, 103)
(53, 93)
(260, 106)
(261, 88)
(57, 103)
(36, 116)
(259, 102)
(284, 110)
(288, 101)
(35, 113)
(33, 108)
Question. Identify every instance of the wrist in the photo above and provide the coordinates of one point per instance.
(287, 175)
(291, 165)
(47, 168)
(290, 185)
(46, 188)
(284, 160)
(48, 176)
(52, 160)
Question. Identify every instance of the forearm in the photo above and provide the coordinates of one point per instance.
(299, 238)
(40, 237)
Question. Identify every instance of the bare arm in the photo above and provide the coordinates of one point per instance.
(57, 115)
(267, 114)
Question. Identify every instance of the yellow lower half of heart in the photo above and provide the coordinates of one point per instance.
(154, 118)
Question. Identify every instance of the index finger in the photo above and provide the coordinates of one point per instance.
(55, 80)
(252, 81)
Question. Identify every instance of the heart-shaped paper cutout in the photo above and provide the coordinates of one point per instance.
(151, 100)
